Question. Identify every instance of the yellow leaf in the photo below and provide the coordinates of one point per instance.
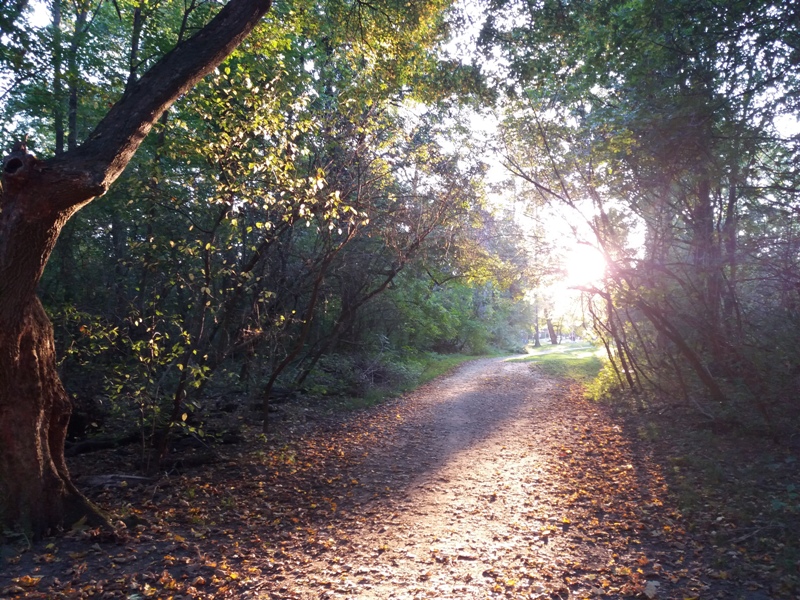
(27, 580)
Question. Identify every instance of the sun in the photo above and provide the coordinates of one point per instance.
(584, 265)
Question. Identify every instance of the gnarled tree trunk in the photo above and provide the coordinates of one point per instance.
(37, 199)
(35, 490)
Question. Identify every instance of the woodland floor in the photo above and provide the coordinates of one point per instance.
(492, 482)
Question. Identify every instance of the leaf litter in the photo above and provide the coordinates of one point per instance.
(493, 482)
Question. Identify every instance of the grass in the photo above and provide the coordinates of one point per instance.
(439, 364)
(429, 367)
(578, 361)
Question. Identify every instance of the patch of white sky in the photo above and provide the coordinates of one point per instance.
(37, 15)
(787, 125)
(40, 13)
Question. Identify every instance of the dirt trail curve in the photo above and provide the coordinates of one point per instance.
(492, 482)
(466, 498)
(463, 473)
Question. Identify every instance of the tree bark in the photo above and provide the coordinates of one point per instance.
(73, 79)
(37, 199)
(35, 489)
(551, 331)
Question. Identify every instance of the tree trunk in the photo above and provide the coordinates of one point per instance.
(73, 76)
(58, 104)
(551, 331)
(35, 489)
(36, 200)
(536, 342)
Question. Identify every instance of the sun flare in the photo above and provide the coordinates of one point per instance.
(584, 265)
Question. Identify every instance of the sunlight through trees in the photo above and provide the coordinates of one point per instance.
(317, 198)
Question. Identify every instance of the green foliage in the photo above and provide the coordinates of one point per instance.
(436, 365)
(300, 217)
(396, 374)
(605, 386)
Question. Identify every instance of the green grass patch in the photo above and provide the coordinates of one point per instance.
(580, 362)
(435, 365)
(418, 371)
(371, 398)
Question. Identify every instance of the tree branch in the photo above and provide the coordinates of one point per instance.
(98, 162)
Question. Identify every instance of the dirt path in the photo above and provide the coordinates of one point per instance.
(466, 498)
(456, 486)
(493, 482)
(497, 482)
